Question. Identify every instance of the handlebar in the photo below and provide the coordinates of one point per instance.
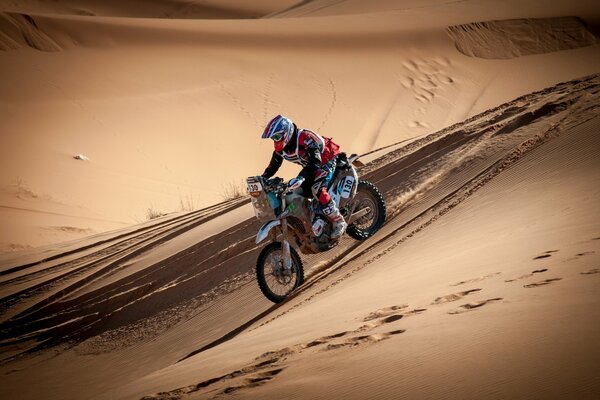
(276, 184)
(274, 181)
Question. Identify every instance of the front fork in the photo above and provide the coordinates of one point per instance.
(287, 257)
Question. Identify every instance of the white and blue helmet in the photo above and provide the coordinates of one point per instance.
(281, 130)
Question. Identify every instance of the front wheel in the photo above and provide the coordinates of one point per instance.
(367, 196)
(274, 280)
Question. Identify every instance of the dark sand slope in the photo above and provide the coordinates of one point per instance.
(110, 313)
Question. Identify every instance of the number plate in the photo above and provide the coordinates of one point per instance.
(253, 187)
(347, 185)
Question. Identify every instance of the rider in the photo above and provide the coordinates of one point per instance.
(316, 154)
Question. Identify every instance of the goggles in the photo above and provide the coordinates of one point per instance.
(277, 136)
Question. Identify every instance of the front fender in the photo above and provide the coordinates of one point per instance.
(264, 230)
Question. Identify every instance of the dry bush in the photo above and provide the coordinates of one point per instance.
(153, 213)
(187, 203)
(233, 190)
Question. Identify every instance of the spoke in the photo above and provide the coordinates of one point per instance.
(278, 282)
(367, 220)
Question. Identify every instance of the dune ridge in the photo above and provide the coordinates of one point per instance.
(21, 30)
(520, 37)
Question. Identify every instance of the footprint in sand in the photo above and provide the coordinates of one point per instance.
(585, 253)
(537, 271)
(442, 61)
(476, 279)
(270, 364)
(427, 82)
(384, 312)
(579, 255)
(545, 254)
(415, 311)
(327, 339)
(358, 340)
(425, 78)
(444, 79)
(473, 306)
(541, 283)
(251, 376)
(338, 340)
(410, 65)
(372, 325)
(454, 296)
(254, 381)
(591, 271)
(380, 317)
(407, 82)
(387, 315)
(424, 95)
(418, 124)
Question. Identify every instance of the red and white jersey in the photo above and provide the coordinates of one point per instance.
(306, 142)
(306, 148)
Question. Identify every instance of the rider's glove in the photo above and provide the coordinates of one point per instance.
(295, 183)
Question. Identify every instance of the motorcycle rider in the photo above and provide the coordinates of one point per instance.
(318, 157)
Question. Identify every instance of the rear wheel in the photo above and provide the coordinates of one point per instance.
(274, 280)
(367, 196)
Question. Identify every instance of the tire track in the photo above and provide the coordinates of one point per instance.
(113, 257)
(17, 268)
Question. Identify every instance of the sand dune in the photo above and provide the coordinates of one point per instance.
(478, 121)
(131, 307)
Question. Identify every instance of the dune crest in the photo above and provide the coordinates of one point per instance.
(21, 30)
(175, 9)
(520, 37)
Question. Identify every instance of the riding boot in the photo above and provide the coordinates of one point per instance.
(338, 223)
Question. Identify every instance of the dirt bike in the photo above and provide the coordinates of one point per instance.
(299, 220)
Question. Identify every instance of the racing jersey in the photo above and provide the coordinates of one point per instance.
(307, 149)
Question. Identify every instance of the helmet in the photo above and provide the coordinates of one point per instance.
(281, 130)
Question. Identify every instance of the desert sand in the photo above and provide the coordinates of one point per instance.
(478, 120)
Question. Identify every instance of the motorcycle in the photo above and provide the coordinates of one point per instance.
(299, 220)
